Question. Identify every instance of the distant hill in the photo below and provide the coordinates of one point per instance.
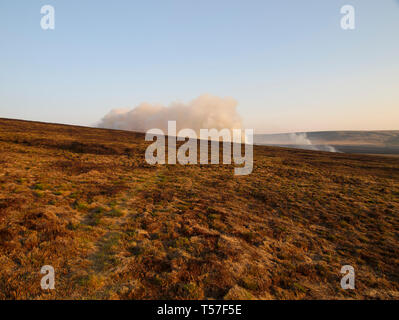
(380, 138)
(366, 142)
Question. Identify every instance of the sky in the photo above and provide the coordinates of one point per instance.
(288, 63)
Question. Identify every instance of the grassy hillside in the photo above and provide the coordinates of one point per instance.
(84, 201)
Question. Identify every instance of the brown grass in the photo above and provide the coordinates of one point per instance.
(113, 227)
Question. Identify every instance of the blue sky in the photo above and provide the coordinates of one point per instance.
(288, 63)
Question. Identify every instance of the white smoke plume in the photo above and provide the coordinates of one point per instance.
(302, 139)
(204, 112)
(295, 140)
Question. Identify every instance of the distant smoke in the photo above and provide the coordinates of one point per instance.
(299, 138)
(302, 139)
(294, 140)
(204, 112)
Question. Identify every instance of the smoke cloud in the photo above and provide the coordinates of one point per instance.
(204, 112)
(294, 140)
(303, 140)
